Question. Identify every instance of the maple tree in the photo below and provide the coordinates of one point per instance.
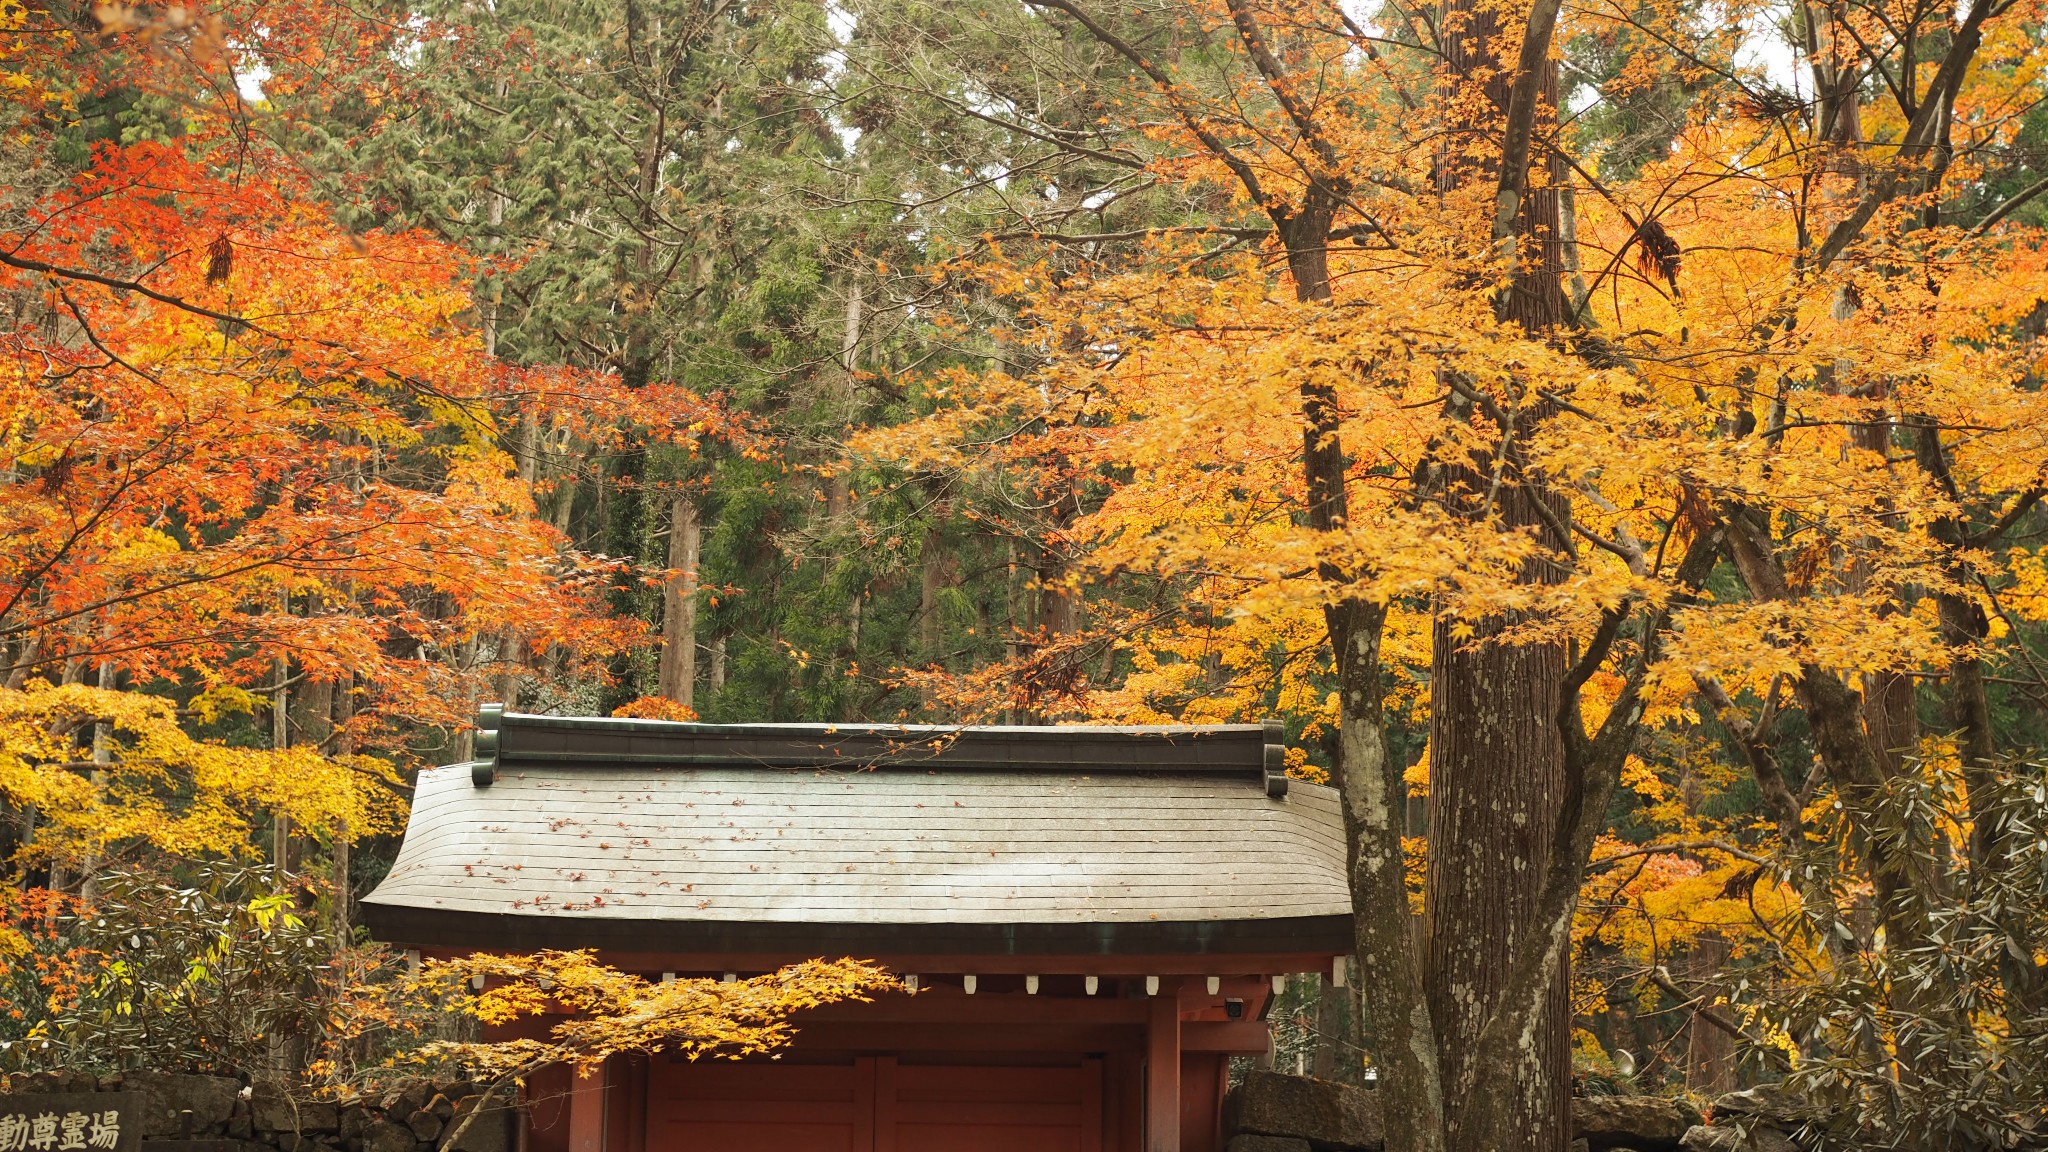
(1766, 450)
(608, 1012)
(256, 460)
(144, 781)
(261, 462)
(215, 973)
(258, 464)
(1619, 422)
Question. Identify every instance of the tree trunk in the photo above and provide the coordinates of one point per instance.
(280, 738)
(102, 755)
(1496, 772)
(1579, 296)
(932, 573)
(1844, 747)
(679, 605)
(30, 649)
(1059, 589)
(1709, 1050)
(344, 745)
(496, 301)
(1397, 1028)
(839, 492)
(1496, 757)
(312, 713)
(1332, 1052)
(511, 667)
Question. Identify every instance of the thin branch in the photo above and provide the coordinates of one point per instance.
(1134, 234)
(135, 286)
(1662, 979)
(1523, 99)
(1721, 846)
(1167, 88)
(2013, 515)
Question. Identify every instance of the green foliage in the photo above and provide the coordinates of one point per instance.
(203, 967)
(664, 191)
(1940, 1041)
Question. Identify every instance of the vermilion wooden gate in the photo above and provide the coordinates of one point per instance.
(875, 1105)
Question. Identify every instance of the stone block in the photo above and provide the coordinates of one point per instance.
(54, 1082)
(457, 1089)
(213, 1145)
(209, 1099)
(1328, 1115)
(491, 1129)
(1775, 1105)
(407, 1100)
(385, 1136)
(426, 1127)
(276, 1112)
(1644, 1123)
(1247, 1142)
(1736, 1138)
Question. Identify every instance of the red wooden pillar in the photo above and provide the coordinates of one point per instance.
(1162, 1074)
(586, 1112)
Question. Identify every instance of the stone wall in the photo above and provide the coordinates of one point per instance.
(190, 1113)
(1268, 1112)
(1272, 1112)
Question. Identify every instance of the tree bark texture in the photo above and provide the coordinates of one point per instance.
(281, 738)
(1496, 772)
(934, 570)
(344, 745)
(1398, 1029)
(1334, 1053)
(678, 674)
(1059, 598)
(1496, 755)
(1709, 1049)
(846, 401)
(1476, 48)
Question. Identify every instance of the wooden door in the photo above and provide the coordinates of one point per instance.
(875, 1105)
(989, 1108)
(726, 1107)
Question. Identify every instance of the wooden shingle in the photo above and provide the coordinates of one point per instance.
(599, 851)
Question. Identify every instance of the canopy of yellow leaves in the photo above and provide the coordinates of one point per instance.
(153, 784)
(613, 1012)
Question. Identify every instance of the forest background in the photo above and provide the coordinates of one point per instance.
(1608, 434)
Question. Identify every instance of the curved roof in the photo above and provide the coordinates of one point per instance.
(721, 856)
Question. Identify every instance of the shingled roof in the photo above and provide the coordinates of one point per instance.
(814, 838)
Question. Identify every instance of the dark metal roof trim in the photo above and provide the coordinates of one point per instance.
(505, 738)
(430, 928)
